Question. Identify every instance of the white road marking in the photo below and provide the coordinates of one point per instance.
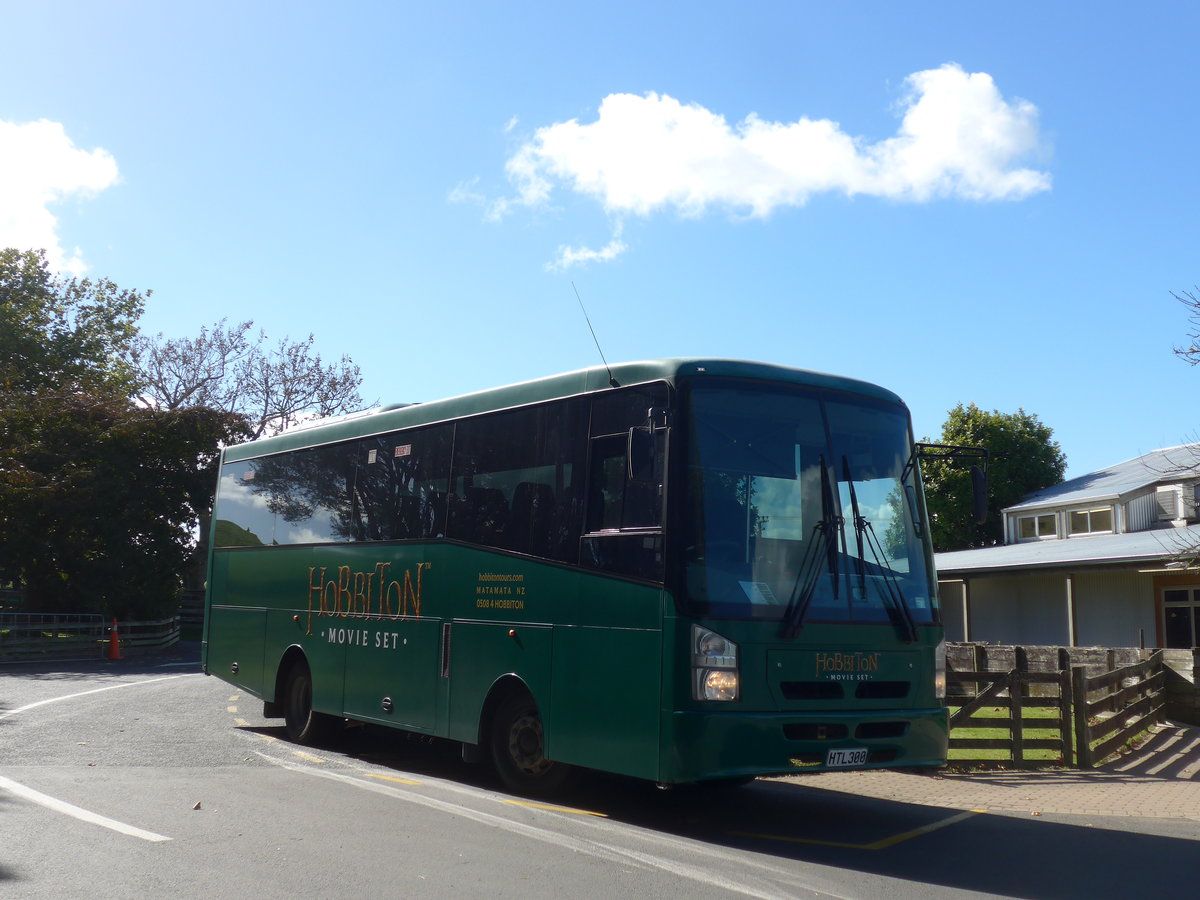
(598, 849)
(62, 806)
(83, 815)
(111, 687)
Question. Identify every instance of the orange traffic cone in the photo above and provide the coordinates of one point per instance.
(114, 642)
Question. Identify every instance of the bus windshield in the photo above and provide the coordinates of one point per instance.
(802, 507)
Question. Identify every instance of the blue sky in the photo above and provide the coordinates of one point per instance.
(985, 203)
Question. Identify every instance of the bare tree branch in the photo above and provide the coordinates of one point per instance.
(227, 367)
(1191, 353)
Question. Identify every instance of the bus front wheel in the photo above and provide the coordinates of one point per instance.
(304, 725)
(518, 749)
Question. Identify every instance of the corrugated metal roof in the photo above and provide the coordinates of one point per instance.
(1140, 547)
(1117, 481)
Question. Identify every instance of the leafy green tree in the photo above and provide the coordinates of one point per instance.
(98, 499)
(55, 331)
(108, 463)
(1024, 458)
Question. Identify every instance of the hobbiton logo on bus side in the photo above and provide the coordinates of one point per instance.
(856, 666)
(373, 594)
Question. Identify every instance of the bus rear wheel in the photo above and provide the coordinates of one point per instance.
(304, 725)
(518, 749)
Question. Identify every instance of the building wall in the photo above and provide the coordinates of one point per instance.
(1141, 513)
(1019, 609)
(1115, 609)
(1112, 609)
(950, 595)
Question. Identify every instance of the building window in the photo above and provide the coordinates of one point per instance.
(1031, 528)
(1090, 521)
(1181, 618)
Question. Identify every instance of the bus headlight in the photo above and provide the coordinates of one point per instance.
(939, 671)
(714, 666)
(719, 684)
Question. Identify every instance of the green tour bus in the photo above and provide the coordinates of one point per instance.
(683, 570)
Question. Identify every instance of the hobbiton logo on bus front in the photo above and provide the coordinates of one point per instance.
(346, 593)
(856, 666)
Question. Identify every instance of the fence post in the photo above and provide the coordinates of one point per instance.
(1016, 710)
(1079, 699)
(1017, 691)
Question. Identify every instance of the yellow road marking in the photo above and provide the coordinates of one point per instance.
(307, 757)
(875, 845)
(241, 723)
(393, 778)
(561, 809)
(231, 709)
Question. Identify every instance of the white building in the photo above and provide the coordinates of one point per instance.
(1094, 561)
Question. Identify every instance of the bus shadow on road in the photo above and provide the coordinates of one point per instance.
(973, 850)
(1003, 854)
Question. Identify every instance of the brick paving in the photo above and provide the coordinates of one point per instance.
(1159, 780)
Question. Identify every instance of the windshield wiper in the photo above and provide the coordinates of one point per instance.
(893, 595)
(824, 542)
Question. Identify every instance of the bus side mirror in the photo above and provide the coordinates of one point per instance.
(639, 454)
(979, 498)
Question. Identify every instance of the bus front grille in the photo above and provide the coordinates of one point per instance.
(811, 690)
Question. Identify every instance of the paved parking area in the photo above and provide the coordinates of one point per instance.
(1161, 780)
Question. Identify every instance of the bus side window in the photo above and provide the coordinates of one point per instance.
(400, 488)
(607, 495)
(614, 500)
(616, 505)
(514, 480)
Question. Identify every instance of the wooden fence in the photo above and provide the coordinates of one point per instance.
(1112, 708)
(1060, 715)
(31, 637)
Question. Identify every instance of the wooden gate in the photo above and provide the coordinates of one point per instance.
(999, 702)
(1022, 719)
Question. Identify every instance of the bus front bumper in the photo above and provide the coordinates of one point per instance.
(701, 746)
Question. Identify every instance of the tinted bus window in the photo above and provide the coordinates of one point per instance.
(516, 480)
(293, 498)
(624, 515)
(615, 412)
(402, 482)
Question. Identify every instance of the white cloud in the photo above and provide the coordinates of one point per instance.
(465, 192)
(958, 137)
(573, 256)
(40, 167)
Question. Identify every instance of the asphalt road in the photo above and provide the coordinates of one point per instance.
(151, 780)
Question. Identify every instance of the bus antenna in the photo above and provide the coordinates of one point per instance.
(611, 380)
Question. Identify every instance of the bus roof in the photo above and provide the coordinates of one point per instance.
(393, 417)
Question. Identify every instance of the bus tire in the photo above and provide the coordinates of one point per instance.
(518, 748)
(304, 725)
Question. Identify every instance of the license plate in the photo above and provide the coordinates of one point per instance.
(845, 757)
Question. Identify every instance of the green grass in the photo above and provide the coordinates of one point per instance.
(1003, 732)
